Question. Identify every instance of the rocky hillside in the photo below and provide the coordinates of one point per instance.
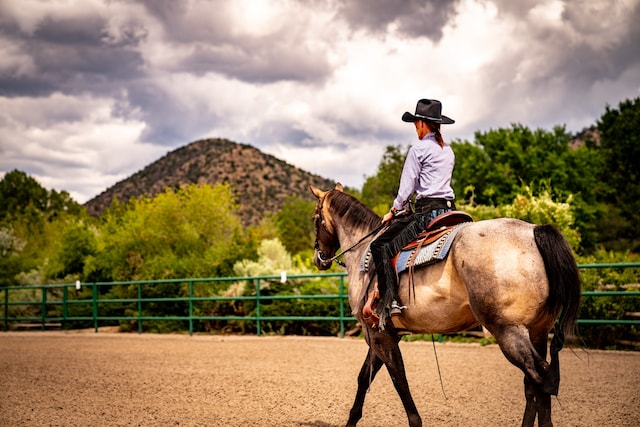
(590, 134)
(261, 182)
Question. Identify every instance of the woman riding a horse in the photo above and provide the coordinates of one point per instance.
(427, 174)
(518, 280)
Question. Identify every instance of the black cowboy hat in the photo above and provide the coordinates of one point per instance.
(429, 110)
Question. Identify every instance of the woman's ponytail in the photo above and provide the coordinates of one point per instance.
(438, 135)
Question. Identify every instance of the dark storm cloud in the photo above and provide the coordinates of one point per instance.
(602, 56)
(415, 18)
(168, 121)
(584, 48)
(258, 62)
(11, 85)
(571, 63)
(284, 131)
(348, 126)
(68, 55)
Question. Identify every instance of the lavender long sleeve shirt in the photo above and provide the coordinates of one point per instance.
(426, 172)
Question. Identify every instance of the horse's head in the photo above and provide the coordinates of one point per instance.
(327, 242)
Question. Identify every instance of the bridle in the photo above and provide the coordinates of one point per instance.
(321, 223)
(321, 226)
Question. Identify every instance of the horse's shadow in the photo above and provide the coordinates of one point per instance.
(317, 424)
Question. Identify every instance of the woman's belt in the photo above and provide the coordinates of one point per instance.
(427, 204)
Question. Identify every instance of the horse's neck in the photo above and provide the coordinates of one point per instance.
(357, 280)
(348, 237)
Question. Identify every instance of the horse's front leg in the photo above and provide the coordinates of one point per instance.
(385, 345)
(370, 368)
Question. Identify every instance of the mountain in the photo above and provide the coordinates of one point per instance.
(590, 134)
(260, 181)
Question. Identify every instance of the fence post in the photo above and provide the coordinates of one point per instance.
(6, 309)
(43, 315)
(341, 306)
(190, 307)
(65, 296)
(139, 308)
(95, 306)
(258, 331)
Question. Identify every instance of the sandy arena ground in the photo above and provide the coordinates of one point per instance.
(110, 379)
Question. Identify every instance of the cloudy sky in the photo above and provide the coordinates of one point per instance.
(91, 91)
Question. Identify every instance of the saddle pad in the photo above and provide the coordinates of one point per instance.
(427, 254)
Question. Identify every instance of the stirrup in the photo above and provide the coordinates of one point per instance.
(396, 309)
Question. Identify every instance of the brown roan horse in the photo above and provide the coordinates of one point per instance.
(512, 277)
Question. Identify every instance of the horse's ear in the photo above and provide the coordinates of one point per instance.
(317, 192)
(339, 187)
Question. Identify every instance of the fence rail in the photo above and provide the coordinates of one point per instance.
(49, 299)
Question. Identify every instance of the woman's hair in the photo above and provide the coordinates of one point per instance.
(435, 127)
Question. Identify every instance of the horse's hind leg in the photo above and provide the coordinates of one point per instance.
(528, 353)
(541, 398)
(538, 403)
(370, 368)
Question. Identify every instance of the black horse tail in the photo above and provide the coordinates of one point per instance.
(563, 276)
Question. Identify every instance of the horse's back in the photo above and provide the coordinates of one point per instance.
(497, 242)
(500, 265)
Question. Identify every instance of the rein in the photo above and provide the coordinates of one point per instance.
(335, 257)
(356, 244)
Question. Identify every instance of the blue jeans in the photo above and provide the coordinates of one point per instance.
(436, 212)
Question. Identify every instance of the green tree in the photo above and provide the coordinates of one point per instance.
(380, 189)
(494, 169)
(35, 217)
(470, 172)
(620, 145)
(191, 232)
(584, 165)
(510, 158)
(77, 243)
(20, 194)
(293, 222)
(11, 246)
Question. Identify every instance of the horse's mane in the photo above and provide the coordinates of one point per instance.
(352, 210)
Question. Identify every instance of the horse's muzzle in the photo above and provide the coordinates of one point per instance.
(321, 263)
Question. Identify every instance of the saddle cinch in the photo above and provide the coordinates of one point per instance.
(429, 247)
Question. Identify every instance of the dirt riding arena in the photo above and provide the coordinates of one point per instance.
(110, 379)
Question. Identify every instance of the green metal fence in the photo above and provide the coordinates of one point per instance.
(66, 299)
(56, 302)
